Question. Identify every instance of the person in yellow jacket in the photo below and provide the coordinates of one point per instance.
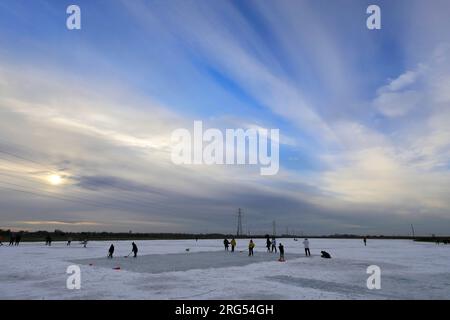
(233, 244)
(251, 245)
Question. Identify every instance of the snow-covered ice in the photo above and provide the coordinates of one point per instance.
(165, 270)
(159, 263)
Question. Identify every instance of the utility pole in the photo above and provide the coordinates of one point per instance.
(239, 224)
(412, 229)
(274, 228)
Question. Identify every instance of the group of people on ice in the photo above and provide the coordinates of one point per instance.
(134, 250)
(271, 245)
(251, 246)
(14, 239)
(227, 244)
(323, 254)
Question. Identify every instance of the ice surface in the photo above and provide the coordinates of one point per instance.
(164, 270)
(159, 263)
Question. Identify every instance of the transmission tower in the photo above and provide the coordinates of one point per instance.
(239, 223)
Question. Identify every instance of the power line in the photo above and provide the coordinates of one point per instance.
(57, 172)
(51, 170)
(62, 198)
(106, 198)
(274, 228)
(41, 195)
(80, 200)
(23, 158)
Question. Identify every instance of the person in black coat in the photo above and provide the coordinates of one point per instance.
(268, 244)
(111, 251)
(18, 238)
(135, 249)
(281, 248)
(226, 244)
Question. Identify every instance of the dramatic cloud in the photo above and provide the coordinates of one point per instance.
(363, 116)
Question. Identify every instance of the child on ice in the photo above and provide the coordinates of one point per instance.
(281, 248)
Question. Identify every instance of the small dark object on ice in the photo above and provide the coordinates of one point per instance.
(325, 255)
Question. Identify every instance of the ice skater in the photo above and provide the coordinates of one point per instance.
(226, 244)
(306, 245)
(69, 241)
(365, 241)
(12, 239)
(274, 245)
(134, 250)
(233, 244)
(111, 252)
(268, 244)
(18, 238)
(48, 240)
(251, 246)
(281, 248)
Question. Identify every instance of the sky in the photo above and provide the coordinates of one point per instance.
(86, 115)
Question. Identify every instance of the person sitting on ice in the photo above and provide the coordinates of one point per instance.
(111, 251)
(281, 248)
(325, 255)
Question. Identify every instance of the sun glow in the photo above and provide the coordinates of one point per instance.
(55, 179)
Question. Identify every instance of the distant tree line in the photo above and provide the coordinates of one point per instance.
(59, 235)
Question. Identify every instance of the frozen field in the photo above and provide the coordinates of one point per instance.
(165, 270)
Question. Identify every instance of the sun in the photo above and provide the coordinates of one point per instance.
(55, 179)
